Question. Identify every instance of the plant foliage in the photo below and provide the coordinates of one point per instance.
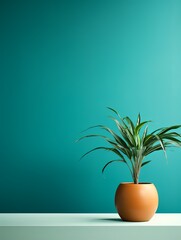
(133, 143)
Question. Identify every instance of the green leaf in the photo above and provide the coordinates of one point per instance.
(138, 127)
(144, 163)
(169, 128)
(125, 133)
(117, 138)
(96, 126)
(94, 149)
(125, 151)
(104, 148)
(91, 135)
(156, 131)
(173, 143)
(170, 134)
(118, 153)
(148, 138)
(138, 119)
(129, 137)
(132, 127)
(144, 135)
(113, 110)
(172, 138)
(152, 149)
(112, 162)
(162, 144)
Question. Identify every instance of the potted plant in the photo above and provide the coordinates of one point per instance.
(135, 201)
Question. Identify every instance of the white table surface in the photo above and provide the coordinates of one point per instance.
(109, 219)
(87, 227)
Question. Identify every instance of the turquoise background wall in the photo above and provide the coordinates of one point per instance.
(61, 64)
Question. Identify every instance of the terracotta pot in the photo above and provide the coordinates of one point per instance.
(136, 202)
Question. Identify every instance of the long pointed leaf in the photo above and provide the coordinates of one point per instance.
(116, 137)
(162, 144)
(113, 110)
(144, 163)
(125, 133)
(138, 119)
(144, 135)
(91, 135)
(104, 148)
(94, 149)
(138, 128)
(154, 148)
(169, 128)
(125, 151)
(172, 138)
(112, 162)
(132, 127)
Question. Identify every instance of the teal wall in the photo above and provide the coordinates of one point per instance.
(61, 64)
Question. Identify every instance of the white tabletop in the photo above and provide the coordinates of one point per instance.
(109, 219)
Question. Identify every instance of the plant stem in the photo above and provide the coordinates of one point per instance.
(136, 171)
(136, 180)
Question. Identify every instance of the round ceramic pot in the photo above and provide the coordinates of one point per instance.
(136, 202)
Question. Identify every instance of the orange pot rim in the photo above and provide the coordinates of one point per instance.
(140, 183)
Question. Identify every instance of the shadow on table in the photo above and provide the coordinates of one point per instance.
(108, 220)
(118, 220)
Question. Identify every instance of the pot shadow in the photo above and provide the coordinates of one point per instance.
(118, 220)
(108, 220)
(111, 219)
